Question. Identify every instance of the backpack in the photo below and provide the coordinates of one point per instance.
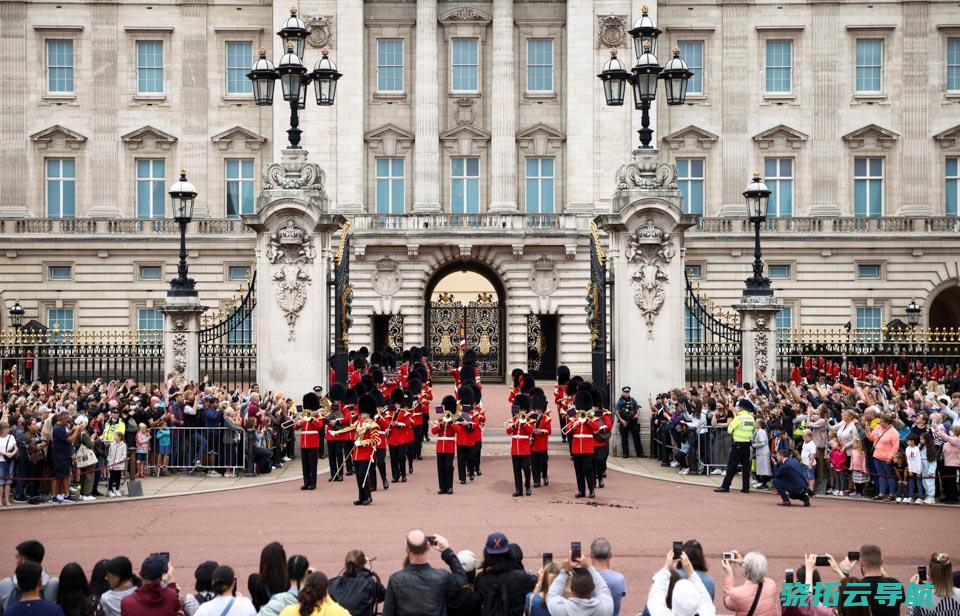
(496, 603)
(354, 593)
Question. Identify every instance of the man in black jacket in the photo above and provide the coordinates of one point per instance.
(418, 589)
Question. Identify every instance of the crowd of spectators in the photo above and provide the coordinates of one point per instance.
(62, 442)
(498, 583)
(874, 434)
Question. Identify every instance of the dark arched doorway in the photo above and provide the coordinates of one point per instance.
(465, 308)
(945, 309)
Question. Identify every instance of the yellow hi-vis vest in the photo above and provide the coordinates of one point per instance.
(741, 428)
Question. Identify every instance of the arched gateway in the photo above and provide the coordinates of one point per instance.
(945, 309)
(465, 308)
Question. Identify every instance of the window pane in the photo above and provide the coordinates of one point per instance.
(60, 65)
(247, 198)
(150, 67)
(860, 167)
(246, 168)
(546, 167)
(532, 164)
(158, 197)
(457, 166)
(233, 199)
(770, 168)
(540, 65)
(951, 198)
(876, 167)
(53, 199)
(785, 197)
(397, 196)
(473, 196)
(456, 196)
(696, 197)
(238, 272)
(383, 196)
(860, 197)
(696, 168)
(143, 199)
(546, 196)
(869, 65)
(465, 60)
(239, 59)
(876, 198)
(532, 197)
(151, 272)
(952, 167)
(683, 168)
(473, 167)
(692, 54)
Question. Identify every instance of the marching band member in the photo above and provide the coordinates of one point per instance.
(334, 421)
(559, 396)
(581, 429)
(515, 375)
(445, 429)
(349, 410)
(479, 421)
(396, 432)
(465, 439)
(380, 455)
(415, 451)
(310, 429)
(540, 445)
(365, 444)
(408, 433)
(601, 437)
(520, 428)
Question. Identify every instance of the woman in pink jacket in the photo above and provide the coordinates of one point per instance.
(758, 587)
(951, 462)
(886, 444)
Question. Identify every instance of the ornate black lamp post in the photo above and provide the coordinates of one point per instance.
(293, 76)
(646, 73)
(913, 313)
(16, 313)
(757, 195)
(182, 193)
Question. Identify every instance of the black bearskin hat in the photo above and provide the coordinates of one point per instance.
(563, 375)
(465, 394)
(522, 401)
(396, 396)
(337, 392)
(515, 374)
(528, 383)
(311, 402)
(597, 397)
(583, 402)
(449, 404)
(414, 387)
(366, 404)
(538, 402)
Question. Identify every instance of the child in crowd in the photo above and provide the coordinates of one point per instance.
(808, 459)
(143, 449)
(116, 460)
(163, 446)
(858, 464)
(928, 465)
(914, 470)
(902, 475)
(838, 466)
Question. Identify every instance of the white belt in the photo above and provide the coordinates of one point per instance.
(446, 438)
(521, 436)
(583, 436)
(309, 432)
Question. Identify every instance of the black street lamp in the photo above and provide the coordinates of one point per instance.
(16, 313)
(757, 195)
(913, 313)
(646, 73)
(182, 193)
(293, 76)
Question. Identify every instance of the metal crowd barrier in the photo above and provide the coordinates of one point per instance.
(709, 450)
(714, 448)
(208, 449)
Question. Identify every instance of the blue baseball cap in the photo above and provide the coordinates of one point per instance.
(497, 543)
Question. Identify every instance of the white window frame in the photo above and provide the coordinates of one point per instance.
(879, 275)
(72, 66)
(62, 181)
(142, 266)
(466, 179)
(857, 66)
(694, 68)
(53, 266)
(767, 67)
(248, 91)
(948, 66)
(778, 320)
(64, 335)
(403, 76)
(233, 278)
(691, 178)
(869, 179)
(551, 65)
(476, 65)
(390, 179)
(540, 178)
(152, 180)
(770, 267)
(240, 181)
(162, 68)
(778, 180)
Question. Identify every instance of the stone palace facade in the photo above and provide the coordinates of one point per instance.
(474, 136)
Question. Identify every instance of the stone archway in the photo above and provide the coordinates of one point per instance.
(945, 309)
(465, 309)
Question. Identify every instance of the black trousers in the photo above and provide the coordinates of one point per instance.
(600, 461)
(445, 471)
(464, 462)
(476, 456)
(380, 461)
(321, 452)
(424, 429)
(361, 472)
(538, 463)
(308, 460)
(949, 479)
(563, 424)
(631, 430)
(583, 466)
(398, 461)
(336, 458)
(415, 449)
(521, 472)
(739, 455)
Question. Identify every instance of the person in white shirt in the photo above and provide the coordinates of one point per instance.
(914, 470)
(808, 458)
(689, 597)
(227, 602)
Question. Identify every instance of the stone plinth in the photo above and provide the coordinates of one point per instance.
(759, 340)
(181, 337)
(293, 252)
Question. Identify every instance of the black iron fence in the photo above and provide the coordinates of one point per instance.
(228, 350)
(712, 340)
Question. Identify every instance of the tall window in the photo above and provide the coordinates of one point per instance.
(390, 186)
(151, 187)
(239, 59)
(149, 320)
(779, 67)
(778, 176)
(868, 186)
(692, 329)
(149, 67)
(539, 185)
(869, 76)
(953, 65)
(60, 323)
(950, 185)
(783, 322)
(390, 65)
(240, 196)
(690, 183)
(61, 188)
(465, 185)
(466, 61)
(869, 318)
(60, 66)
(539, 65)
(692, 54)
(242, 333)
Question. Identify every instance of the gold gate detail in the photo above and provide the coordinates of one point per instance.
(454, 327)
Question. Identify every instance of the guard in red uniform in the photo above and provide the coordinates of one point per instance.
(350, 415)
(581, 429)
(445, 429)
(364, 445)
(380, 456)
(539, 445)
(601, 438)
(465, 438)
(396, 433)
(335, 421)
(310, 428)
(559, 398)
(479, 421)
(520, 428)
(415, 451)
(516, 375)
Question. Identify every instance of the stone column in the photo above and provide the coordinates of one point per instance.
(918, 89)
(503, 120)
(736, 145)
(758, 342)
(13, 110)
(825, 147)
(349, 105)
(426, 188)
(181, 337)
(292, 315)
(579, 103)
(646, 232)
(104, 150)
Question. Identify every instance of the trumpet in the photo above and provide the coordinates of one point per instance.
(520, 418)
(447, 418)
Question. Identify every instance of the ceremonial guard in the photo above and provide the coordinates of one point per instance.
(406, 413)
(415, 451)
(396, 433)
(520, 428)
(310, 428)
(465, 438)
(350, 415)
(628, 411)
(580, 429)
(365, 444)
(560, 399)
(601, 437)
(516, 375)
(479, 421)
(540, 444)
(380, 455)
(445, 429)
(334, 421)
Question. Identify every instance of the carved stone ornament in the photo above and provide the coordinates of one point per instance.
(650, 249)
(646, 173)
(321, 30)
(464, 14)
(290, 248)
(294, 172)
(611, 31)
(760, 349)
(179, 346)
(387, 280)
(464, 110)
(544, 279)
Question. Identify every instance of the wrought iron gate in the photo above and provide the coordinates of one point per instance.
(597, 313)
(453, 327)
(542, 333)
(228, 352)
(343, 304)
(712, 342)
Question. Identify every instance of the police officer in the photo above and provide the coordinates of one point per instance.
(627, 409)
(741, 429)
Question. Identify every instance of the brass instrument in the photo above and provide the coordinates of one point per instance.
(581, 418)
(360, 425)
(447, 418)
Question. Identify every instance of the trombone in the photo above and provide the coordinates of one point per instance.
(446, 419)
(581, 418)
(521, 417)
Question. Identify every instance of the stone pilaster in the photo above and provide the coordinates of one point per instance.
(13, 109)
(349, 106)
(579, 103)
(827, 84)
(736, 144)
(181, 337)
(193, 147)
(916, 155)
(758, 338)
(503, 115)
(103, 147)
(426, 188)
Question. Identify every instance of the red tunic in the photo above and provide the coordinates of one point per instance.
(541, 434)
(480, 420)
(606, 426)
(383, 422)
(465, 432)
(369, 439)
(396, 435)
(309, 433)
(446, 437)
(520, 437)
(513, 394)
(455, 373)
(582, 435)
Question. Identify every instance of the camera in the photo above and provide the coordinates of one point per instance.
(432, 539)
(547, 558)
(728, 556)
(788, 576)
(822, 561)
